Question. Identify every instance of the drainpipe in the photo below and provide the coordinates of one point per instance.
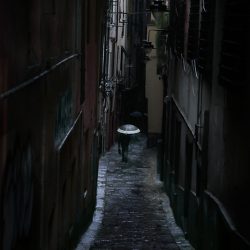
(117, 22)
(198, 124)
(105, 62)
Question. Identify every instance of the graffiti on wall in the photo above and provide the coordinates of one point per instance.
(63, 116)
(17, 197)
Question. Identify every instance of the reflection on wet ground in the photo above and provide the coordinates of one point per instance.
(132, 210)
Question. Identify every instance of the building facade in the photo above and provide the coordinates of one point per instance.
(49, 81)
(157, 34)
(205, 161)
(123, 73)
(113, 71)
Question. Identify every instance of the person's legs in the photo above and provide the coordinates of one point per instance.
(124, 145)
(119, 144)
(123, 153)
(126, 153)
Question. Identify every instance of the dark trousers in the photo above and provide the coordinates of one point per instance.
(125, 153)
(123, 142)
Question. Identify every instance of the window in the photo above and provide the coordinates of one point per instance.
(193, 31)
(235, 43)
(206, 37)
(179, 24)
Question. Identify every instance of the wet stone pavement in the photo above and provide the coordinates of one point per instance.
(132, 211)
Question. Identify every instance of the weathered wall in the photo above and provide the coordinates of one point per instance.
(134, 91)
(153, 87)
(228, 172)
(48, 161)
(206, 154)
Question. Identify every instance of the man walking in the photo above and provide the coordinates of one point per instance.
(123, 142)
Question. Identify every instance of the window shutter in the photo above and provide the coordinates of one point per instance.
(234, 43)
(206, 37)
(193, 31)
(179, 34)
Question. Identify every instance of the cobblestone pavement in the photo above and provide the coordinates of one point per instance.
(132, 211)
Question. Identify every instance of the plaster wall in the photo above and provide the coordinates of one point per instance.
(185, 90)
(220, 165)
(229, 137)
(43, 120)
(115, 70)
(154, 90)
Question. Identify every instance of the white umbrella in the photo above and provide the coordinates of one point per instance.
(128, 129)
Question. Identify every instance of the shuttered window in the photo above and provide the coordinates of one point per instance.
(206, 37)
(193, 31)
(179, 19)
(234, 44)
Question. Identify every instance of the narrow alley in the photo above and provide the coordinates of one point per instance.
(168, 79)
(133, 211)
